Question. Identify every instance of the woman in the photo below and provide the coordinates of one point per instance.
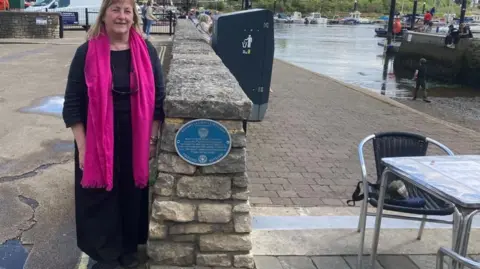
(150, 18)
(114, 106)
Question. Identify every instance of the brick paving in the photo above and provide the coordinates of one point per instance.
(345, 262)
(304, 153)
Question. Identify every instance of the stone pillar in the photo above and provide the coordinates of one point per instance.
(201, 215)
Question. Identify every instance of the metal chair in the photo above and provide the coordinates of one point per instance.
(399, 144)
(456, 258)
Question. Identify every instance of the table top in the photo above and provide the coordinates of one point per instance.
(454, 178)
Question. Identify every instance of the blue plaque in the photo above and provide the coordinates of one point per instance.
(203, 142)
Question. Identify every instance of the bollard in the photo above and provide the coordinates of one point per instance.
(61, 25)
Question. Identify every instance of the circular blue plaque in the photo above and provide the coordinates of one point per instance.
(203, 142)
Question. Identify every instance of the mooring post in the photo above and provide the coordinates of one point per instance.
(414, 15)
(462, 12)
(391, 17)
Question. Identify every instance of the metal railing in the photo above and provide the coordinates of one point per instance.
(82, 19)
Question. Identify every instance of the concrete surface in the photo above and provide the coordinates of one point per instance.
(304, 153)
(36, 166)
(344, 262)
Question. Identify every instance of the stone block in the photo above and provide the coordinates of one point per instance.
(169, 130)
(171, 253)
(245, 261)
(192, 48)
(200, 228)
(242, 222)
(242, 207)
(241, 194)
(204, 187)
(235, 162)
(174, 211)
(157, 230)
(183, 238)
(172, 163)
(215, 213)
(164, 185)
(241, 181)
(198, 92)
(225, 242)
(214, 260)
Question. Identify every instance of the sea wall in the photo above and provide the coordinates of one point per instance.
(42, 25)
(471, 70)
(443, 63)
(200, 215)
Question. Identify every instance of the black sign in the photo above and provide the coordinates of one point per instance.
(70, 18)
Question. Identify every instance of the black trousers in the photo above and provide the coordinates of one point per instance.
(144, 26)
(420, 84)
(110, 224)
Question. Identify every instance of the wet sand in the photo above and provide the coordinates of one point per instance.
(460, 106)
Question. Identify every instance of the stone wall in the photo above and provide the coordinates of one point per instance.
(200, 216)
(42, 25)
(443, 63)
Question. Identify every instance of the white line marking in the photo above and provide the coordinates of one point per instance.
(83, 262)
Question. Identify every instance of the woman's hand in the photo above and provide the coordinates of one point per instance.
(81, 158)
(153, 151)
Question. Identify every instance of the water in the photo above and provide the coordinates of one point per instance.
(12, 255)
(349, 53)
(52, 105)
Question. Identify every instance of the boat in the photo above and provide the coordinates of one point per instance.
(282, 18)
(356, 15)
(316, 18)
(297, 17)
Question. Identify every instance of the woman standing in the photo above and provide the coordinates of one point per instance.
(150, 18)
(114, 106)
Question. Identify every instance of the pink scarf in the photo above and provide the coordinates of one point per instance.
(98, 164)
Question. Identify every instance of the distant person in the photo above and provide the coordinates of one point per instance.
(4, 5)
(144, 17)
(464, 31)
(427, 18)
(114, 112)
(432, 11)
(150, 18)
(452, 37)
(397, 26)
(421, 78)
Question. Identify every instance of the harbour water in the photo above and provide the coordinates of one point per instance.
(350, 53)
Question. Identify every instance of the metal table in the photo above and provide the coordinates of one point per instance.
(455, 179)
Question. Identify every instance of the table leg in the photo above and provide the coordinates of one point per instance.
(378, 218)
(456, 234)
(465, 234)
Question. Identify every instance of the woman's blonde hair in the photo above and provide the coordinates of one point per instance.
(96, 28)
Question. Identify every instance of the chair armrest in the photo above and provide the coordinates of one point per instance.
(441, 146)
(442, 252)
(362, 159)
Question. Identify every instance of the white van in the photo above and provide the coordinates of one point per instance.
(70, 9)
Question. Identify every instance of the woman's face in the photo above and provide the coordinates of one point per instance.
(119, 17)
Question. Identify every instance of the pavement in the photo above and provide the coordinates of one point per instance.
(304, 153)
(36, 160)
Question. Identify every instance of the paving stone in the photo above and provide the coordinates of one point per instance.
(330, 262)
(296, 262)
(396, 261)
(425, 261)
(352, 262)
(267, 262)
(310, 134)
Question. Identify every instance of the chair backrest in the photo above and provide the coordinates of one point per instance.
(397, 144)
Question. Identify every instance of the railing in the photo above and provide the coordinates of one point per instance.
(83, 18)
